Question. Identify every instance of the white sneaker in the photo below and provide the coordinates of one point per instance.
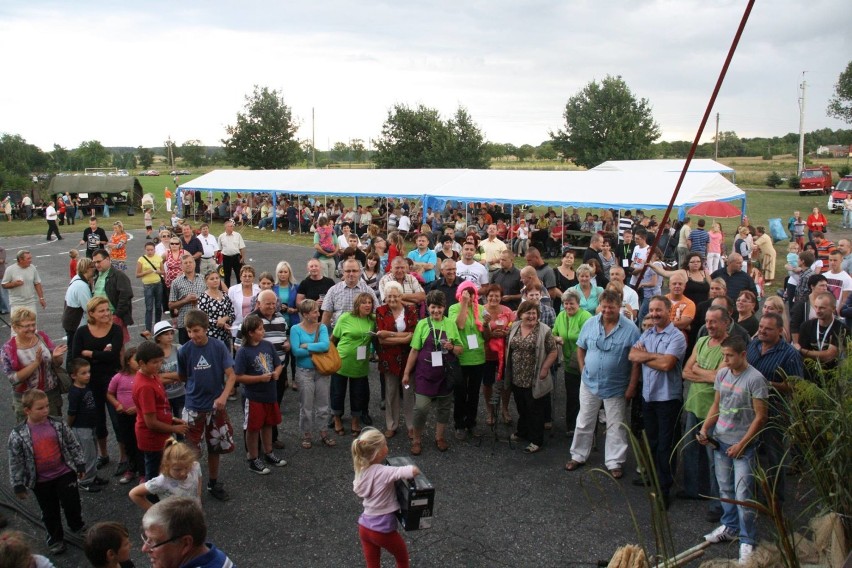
(746, 551)
(721, 534)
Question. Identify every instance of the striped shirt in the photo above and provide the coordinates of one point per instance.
(781, 361)
(183, 287)
(276, 332)
(340, 298)
(699, 239)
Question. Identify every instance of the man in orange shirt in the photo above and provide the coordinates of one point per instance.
(167, 194)
(683, 309)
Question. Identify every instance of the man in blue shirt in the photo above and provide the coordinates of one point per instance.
(660, 351)
(776, 360)
(424, 259)
(698, 239)
(608, 377)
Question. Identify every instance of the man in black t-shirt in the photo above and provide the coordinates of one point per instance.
(822, 338)
(315, 285)
(93, 237)
(190, 243)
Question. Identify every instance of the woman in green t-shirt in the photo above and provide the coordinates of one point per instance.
(352, 335)
(434, 344)
(566, 329)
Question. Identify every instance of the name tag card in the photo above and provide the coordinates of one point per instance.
(437, 359)
(472, 342)
(361, 353)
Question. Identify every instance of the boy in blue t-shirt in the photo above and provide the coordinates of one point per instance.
(203, 363)
(82, 419)
(258, 367)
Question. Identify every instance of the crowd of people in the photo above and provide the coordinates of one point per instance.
(449, 323)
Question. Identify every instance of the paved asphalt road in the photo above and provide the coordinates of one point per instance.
(494, 505)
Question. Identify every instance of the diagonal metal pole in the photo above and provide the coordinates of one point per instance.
(700, 131)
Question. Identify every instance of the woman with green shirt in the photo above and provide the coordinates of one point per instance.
(466, 316)
(352, 336)
(435, 343)
(566, 330)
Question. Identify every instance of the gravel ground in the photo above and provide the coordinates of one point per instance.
(494, 505)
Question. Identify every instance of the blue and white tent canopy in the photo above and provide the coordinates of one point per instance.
(582, 189)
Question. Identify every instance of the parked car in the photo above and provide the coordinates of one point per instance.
(841, 191)
(815, 180)
(180, 173)
(149, 173)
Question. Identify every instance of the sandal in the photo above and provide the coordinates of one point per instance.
(616, 473)
(507, 418)
(338, 427)
(442, 444)
(490, 420)
(356, 432)
(307, 444)
(328, 442)
(532, 448)
(390, 434)
(573, 465)
(416, 448)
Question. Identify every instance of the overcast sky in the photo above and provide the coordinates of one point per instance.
(96, 70)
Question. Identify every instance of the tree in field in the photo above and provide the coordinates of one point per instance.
(546, 151)
(340, 152)
(92, 154)
(194, 154)
(264, 136)
(58, 158)
(419, 138)
(605, 121)
(359, 151)
(525, 152)
(19, 157)
(145, 157)
(840, 104)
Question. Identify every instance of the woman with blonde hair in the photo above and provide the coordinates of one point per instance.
(714, 248)
(76, 297)
(100, 342)
(26, 359)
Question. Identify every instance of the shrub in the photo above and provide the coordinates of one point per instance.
(793, 182)
(773, 180)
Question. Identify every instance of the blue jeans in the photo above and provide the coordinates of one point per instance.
(775, 459)
(153, 304)
(699, 467)
(736, 481)
(4, 300)
(661, 420)
(847, 218)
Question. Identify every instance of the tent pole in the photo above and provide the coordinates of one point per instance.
(561, 248)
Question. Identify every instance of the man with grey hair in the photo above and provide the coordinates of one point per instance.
(185, 292)
(412, 291)
(736, 279)
(174, 534)
(341, 297)
(233, 249)
(23, 283)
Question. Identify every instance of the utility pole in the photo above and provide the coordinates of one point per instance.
(313, 138)
(717, 137)
(801, 163)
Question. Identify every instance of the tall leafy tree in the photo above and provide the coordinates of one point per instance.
(194, 154)
(605, 121)
(419, 138)
(145, 157)
(20, 158)
(840, 104)
(92, 154)
(264, 136)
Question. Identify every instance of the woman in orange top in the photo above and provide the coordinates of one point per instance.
(118, 246)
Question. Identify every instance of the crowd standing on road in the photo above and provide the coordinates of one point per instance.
(447, 323)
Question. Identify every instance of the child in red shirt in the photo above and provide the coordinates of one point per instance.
(72, 267)
(154, 420)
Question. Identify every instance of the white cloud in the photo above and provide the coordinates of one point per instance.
(128, 76)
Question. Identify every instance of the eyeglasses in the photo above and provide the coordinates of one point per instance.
(174, 243)
(152, 546)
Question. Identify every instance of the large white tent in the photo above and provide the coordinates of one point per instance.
(699, 165)
(582, 189)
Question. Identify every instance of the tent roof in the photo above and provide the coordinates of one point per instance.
(94, 184)
(711, 166)
(625, 190)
